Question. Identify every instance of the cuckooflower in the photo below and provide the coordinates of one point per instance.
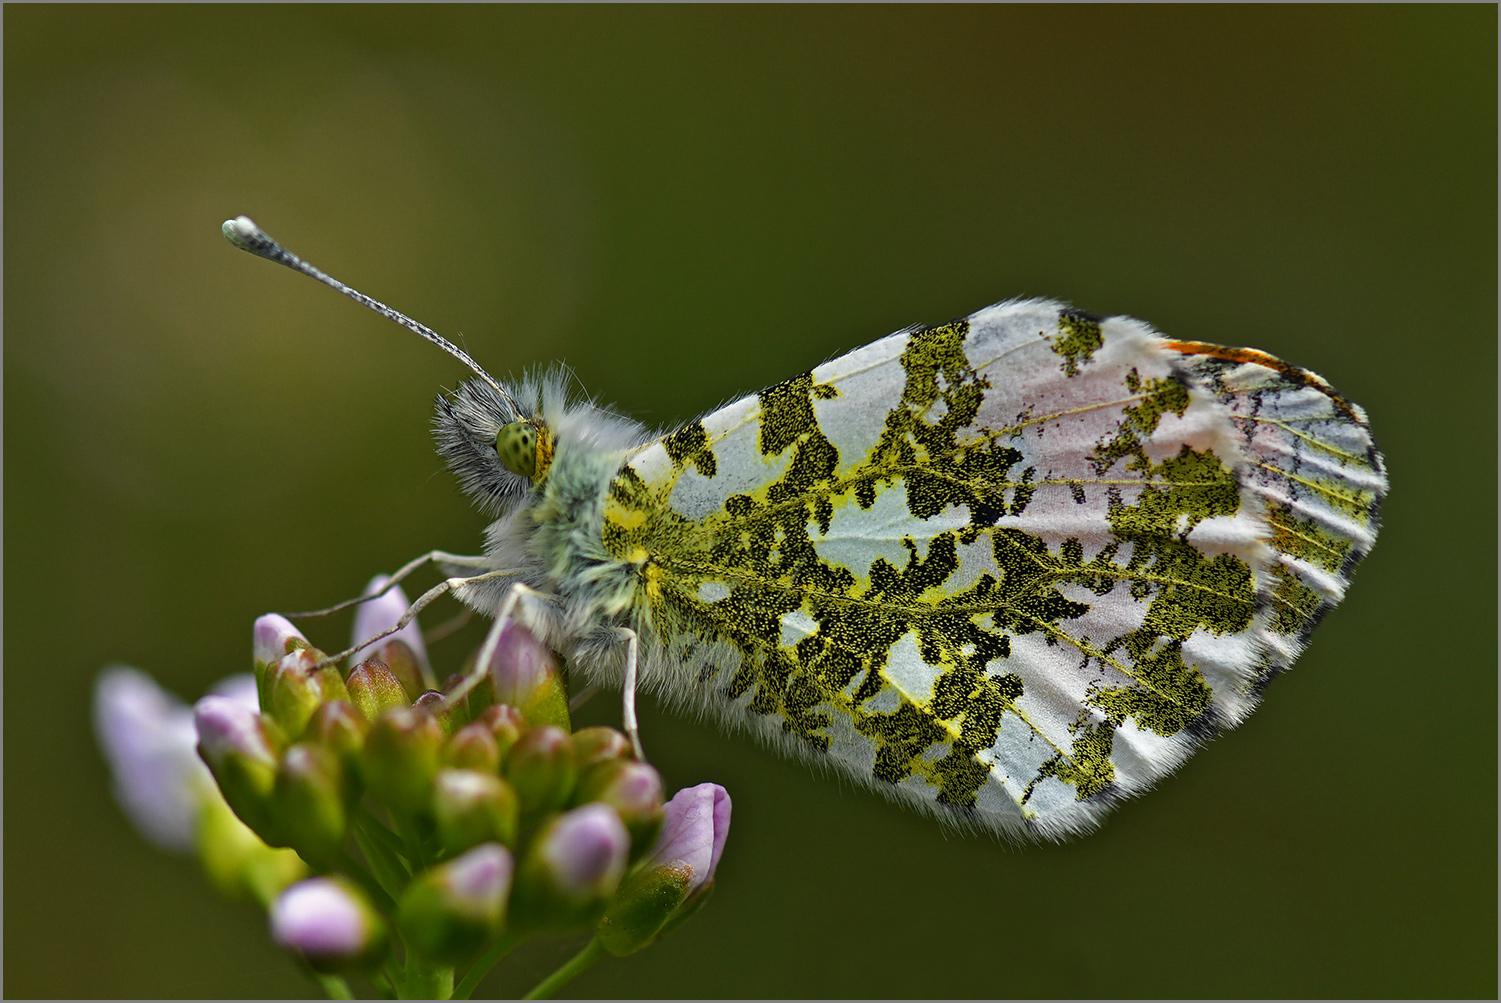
(148, 739)
(674, 879)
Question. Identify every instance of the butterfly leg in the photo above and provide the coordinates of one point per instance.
(628, 693)
(517, 594)
(423, 601)
(433, 556)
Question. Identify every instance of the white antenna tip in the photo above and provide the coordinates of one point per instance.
(244, 234)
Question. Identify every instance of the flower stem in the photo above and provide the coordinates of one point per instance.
(591, 953)
(482, 967)
(387, 866)
(348, 866)
(334, 986)
(425, 980)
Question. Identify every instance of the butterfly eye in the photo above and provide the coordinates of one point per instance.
(516, 445)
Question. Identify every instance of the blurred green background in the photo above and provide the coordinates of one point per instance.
(690, 203)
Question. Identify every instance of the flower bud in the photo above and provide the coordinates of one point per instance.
(473, 747)
(451, 910)
(675, 877)
(540, 767)
(432, 701)
(472, 808)
(309, 801)
(400, 758)
(237, 861)
(525, 675)
(232, 740)
(634, 790)
(507, 724)
(339, 727)
(147, 737)
(273, 638)
(403, 651)
(592, 746)
(374, 688)
(571, 869)
(296, 689)
(330, 923)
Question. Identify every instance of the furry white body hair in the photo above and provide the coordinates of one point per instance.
(551, 537)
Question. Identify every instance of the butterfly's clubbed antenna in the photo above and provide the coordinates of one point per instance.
(244, 234)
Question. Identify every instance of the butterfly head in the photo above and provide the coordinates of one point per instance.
(497, 445)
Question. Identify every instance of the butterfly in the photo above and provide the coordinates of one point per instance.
(1007, 570)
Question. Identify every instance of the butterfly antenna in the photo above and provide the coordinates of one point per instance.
(244, 234)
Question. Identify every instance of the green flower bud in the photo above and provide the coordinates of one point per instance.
(405, 666)
(473, 747)
(525, 674)
(450, 911)
(401, 757)
(374, 688)
(432, 702)
(646, 901)
(274, 638)
(634, 790)
(237, 861)
(507, 724)
(296, 689)
(570, 870)
(472, 808)
(462, 711)
(540, 767)
(340, 727)
(592, 746)
(310, 802)
(232, 740)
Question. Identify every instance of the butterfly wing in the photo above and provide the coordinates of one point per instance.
(1007, 569)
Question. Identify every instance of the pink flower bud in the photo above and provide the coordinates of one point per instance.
(275, 638)
(675, 878)
(572, 867)
(233, 741)
(382, 613)
(147, 736)
(584, 851)
(634, 790)
(525, 675)
(329, 922)
(450, 911)
(695, 824)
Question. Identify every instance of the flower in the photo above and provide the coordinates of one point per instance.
(674, 879)
(695, 824)
(147, 736)
(409, 659)
(329, 922)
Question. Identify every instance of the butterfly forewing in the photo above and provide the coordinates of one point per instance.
(1007, 568)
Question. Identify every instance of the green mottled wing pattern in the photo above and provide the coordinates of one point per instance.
(1008, 569)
